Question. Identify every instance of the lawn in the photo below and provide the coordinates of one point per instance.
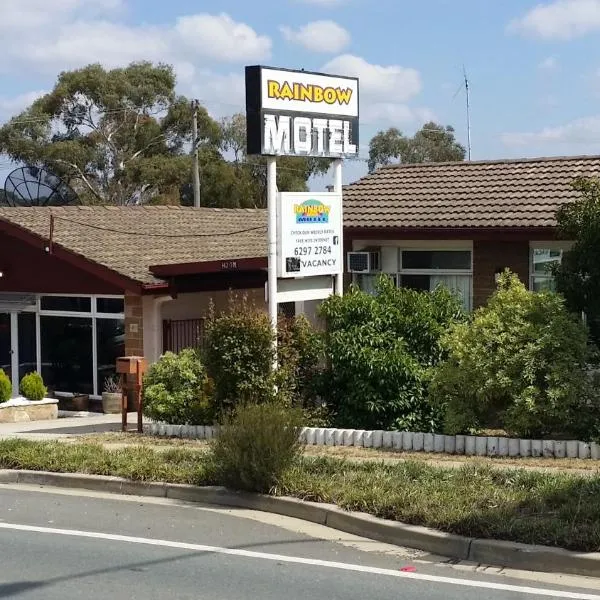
(556, 509)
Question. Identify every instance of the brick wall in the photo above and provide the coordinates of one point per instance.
(489, 256)
(134, 325)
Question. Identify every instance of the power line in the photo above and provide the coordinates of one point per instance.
(159, 235)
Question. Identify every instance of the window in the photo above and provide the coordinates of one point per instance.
(110, 344)
(66, 304)
(80, 339)
(67, 353)
(424, 270)
(542, 262)
(367, 282)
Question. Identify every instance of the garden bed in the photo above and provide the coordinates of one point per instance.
(407, 441)
(21, 410)
(561, 510)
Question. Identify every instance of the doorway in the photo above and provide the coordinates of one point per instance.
(18, 343)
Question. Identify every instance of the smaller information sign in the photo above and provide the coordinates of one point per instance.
(309, 234)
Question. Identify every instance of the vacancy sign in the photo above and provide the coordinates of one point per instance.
(309, 234)
(299, 113)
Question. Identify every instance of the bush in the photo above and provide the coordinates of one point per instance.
(32, 387)
(520, 364)
(380, 351)
(239, 355)
(256, 445)
(5, 387)
(300, 354)
(175, 390)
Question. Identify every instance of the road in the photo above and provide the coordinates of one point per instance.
(62, 544)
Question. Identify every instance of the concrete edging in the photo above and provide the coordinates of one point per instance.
(489, 552)
(408, 441)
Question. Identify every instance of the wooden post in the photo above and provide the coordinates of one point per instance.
(123, 402)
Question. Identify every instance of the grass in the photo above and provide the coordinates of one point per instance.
(478, 500)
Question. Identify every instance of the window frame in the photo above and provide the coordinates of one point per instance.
(450, 272)
(541, 245)
(93, 314)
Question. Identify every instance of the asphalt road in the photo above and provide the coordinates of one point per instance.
(78, 545)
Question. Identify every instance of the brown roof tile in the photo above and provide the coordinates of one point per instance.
(502, 193)
(128, 240)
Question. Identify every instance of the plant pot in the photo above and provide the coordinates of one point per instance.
(111, 402)
(81, 402)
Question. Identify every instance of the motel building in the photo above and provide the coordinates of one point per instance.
(80, 286)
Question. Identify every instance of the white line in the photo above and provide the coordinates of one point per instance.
(303, 561)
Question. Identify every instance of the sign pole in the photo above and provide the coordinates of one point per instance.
(272, 245)
(337, 187)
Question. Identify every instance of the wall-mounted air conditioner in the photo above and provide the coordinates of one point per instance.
(364, 262)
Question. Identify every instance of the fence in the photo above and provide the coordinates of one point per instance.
(180, 334)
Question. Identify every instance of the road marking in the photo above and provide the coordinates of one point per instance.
(302, 561)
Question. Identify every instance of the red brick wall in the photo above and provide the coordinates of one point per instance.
(134, 325)
(489, 256)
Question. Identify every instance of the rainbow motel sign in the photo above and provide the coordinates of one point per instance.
(299, 113)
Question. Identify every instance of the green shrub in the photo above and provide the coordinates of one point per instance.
(239, 355)
(5, 387)
(256, 445)
(520, 364)
(300, 354)
(32, 387)
(175, 390)
(380, 351)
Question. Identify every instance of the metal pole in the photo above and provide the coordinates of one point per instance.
(196, 164)
(337, 187)
(272, 244)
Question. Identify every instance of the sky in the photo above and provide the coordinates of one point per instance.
(533, 67)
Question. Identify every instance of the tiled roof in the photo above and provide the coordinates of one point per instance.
(504, 193)
(128, 240)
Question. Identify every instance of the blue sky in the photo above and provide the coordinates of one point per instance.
(534, 67)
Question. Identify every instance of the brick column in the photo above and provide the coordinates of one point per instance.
(134, 325)
(489, 256)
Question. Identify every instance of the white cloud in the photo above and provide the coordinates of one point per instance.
(579, 131)
(384, 90)
(392, 82)
(318, 36)
(549, 64)
(73, 33)
(221, 38)
(559, 20)
(10, 106)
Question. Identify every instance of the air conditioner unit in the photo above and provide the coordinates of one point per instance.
(364, 262)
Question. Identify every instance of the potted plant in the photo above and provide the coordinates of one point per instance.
(111, 396)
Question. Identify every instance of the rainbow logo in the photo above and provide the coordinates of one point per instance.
(312, 211)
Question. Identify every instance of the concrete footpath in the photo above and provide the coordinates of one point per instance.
(66, 426)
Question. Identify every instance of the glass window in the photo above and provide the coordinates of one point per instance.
(444, 260)
(367, 282)
(66, 303)
(110, 305)
(110, 344)
(542, 263)
(27, 346)
(67, 353)
(458, 284)
(5, 344)
(425, 270)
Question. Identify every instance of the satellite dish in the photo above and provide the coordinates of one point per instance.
(32, 186)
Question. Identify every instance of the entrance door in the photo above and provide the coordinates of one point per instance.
(18, 350)
(6, 346)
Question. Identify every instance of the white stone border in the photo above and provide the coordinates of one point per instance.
(407, 441)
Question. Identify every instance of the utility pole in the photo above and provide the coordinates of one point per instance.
(196, 164)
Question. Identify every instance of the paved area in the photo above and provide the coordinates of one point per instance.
(66, 427)
(68, 544)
